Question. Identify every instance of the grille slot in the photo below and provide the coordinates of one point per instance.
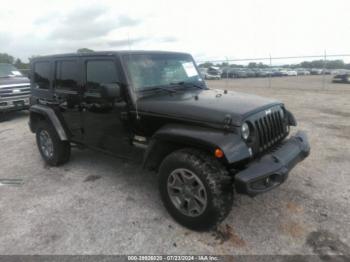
(270, 130)
(14, 91)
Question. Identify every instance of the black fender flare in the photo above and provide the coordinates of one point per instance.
(291, 119)
(50, 115)
(233, 146)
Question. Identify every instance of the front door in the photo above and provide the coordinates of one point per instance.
(68, 95)
(103, 122)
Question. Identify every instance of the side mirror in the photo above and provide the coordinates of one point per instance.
(110, 90)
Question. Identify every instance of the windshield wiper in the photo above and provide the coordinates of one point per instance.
(184, 84)
(159, 88)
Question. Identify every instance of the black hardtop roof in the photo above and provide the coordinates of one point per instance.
(106, 53)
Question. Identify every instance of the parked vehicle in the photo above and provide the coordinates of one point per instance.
(14, 89)
(283, 72)
(250, 73)
(276, 72)
(303, 72)
(343, 78)
(239, 73)
(209, 75)
(291, 72)
(326, 72)
(261, 73)
(154, 107)
(214, 72)
(268, 72)
(227, 73)
(316, 71)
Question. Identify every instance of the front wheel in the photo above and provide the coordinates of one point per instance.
(195, 189)
(54, 151)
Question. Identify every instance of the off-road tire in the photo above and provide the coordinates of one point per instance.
(215, 178)
(61, 149)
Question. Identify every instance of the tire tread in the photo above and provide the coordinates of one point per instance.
(62, 149)
(216, 177)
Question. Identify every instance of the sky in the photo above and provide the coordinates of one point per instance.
(209, 30)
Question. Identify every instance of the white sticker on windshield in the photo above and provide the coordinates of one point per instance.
(16, 73)
(189, 69)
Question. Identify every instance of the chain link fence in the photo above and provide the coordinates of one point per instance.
(322, 70)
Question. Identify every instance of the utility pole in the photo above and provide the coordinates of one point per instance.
(227, 72)
(270, 71)
(324, 69)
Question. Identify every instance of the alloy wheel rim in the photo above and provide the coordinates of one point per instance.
(46, 144)
(187, 192)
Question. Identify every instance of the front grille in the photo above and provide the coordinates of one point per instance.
(270, 129)
(13, 91)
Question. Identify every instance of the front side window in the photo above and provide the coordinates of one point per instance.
(42, 75)
(8, 70)
(148, 71)
(66, 75)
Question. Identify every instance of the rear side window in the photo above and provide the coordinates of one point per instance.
(100, 72)
(42, 74)
(66, 75)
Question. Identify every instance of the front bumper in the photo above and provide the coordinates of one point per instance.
(272, 169)
(14, 104)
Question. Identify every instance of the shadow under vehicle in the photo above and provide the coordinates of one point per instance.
(154, 107)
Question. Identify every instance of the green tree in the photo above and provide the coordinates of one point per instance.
(252, 65)
(20, 65)
(32, 57)
(84, 50)
(206, 64)
(6, 58)
(223, 64)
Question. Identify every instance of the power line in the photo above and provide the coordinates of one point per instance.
(271, 58)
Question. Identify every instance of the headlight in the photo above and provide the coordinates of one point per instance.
(245, 131)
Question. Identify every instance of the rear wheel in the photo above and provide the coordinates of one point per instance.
(195, 189)
(54, 151)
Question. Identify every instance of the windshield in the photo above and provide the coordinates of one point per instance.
(8, 70)
(149, 71)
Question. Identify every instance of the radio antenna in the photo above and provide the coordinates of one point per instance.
(136, 107)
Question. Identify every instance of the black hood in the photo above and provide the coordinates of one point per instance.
(13, 80)
(210, 105)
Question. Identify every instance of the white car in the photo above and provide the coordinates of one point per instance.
(291, 73)
(208, 75)
(303, 72)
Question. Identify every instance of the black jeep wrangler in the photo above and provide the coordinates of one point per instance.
(155, 106)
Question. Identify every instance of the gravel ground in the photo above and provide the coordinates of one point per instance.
(97, 204)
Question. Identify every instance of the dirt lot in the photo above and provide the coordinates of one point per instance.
(98, 204)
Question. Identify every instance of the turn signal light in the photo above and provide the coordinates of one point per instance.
(218, 153)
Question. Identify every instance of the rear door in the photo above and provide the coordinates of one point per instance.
(68, 94)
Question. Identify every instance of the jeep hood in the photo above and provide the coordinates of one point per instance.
(210, 105)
